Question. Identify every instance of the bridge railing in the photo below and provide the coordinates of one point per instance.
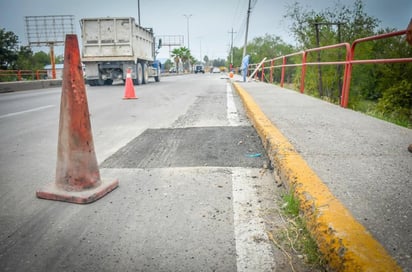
(19, 75)
(348, 63)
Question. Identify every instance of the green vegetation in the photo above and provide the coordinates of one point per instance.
(184, 56)
(297, 232)
(381, 90)
(13, 57)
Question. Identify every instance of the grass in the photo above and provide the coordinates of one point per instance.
(300, 240)
(365, 106)
(369, 108)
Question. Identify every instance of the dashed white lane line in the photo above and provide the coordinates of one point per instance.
(26, 111)
(253, 248)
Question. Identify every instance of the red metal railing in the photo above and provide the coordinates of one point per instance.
(19, 75)
(348, 67)
(348, 62)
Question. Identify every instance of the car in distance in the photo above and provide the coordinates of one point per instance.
(215, 70)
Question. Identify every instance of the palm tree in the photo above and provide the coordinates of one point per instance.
(185, 56)
(177, 56)
(182, 54)
(192, 60)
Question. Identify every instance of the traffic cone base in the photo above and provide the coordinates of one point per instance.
(52, 192)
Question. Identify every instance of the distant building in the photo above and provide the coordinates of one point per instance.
(59, 71)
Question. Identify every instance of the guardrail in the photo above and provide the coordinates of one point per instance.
(19, 75)
(345, 92)
(348, 63)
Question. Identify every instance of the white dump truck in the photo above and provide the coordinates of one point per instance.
(111, 46)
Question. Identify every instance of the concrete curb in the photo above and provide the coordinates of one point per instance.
(344, 242)
(6, 87)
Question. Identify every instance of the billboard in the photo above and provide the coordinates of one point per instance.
(48, 30)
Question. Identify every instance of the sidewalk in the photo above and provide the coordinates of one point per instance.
(351, 172)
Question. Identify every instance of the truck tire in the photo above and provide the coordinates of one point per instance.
(145, 77)
(157, 78)
(139, 74)
(95, 82)
(92, 82)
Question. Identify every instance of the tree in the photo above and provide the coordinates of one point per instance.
(168, 64)
(176, 55)
(40, 59)
(219, 62)
(382, 89)
(185, 57)
(182, 54)
(8, 49)
(192, 60)
(330, 26)
(269, 46)
(25, 59)
(206, 60)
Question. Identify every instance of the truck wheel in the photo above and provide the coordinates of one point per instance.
(139, 74)
(145, 77)
(96, 82)
(157, 78)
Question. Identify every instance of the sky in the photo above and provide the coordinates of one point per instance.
(210, 22)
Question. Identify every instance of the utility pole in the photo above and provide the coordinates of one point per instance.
(339, 57)
(201, 50)
(247, 29)
(317, 24)
(138, 11)
(319, 66)
(231, 49)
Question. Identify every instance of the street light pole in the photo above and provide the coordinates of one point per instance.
(187, 19)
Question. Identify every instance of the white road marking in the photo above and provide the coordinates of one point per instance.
(232, 113)
(25, 111)
(253, 248)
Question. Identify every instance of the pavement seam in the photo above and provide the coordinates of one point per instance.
(344, 242)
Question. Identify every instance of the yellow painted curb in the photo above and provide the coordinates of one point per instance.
(343, 241)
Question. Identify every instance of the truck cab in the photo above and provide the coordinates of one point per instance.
(199, 69)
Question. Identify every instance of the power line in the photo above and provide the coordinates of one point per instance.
(238, 24)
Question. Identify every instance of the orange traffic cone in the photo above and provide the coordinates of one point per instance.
(129, 89)
(77, 172)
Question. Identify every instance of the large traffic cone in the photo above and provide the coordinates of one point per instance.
(129, 88)
(77, 172)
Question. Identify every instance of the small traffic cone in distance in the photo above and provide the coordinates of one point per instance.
(77, 172)
(129, 88)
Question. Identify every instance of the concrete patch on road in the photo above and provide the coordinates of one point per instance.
(183, 147)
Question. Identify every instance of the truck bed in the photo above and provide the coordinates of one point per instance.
(115, 39)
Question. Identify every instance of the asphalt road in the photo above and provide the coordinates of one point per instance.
(192, 175)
